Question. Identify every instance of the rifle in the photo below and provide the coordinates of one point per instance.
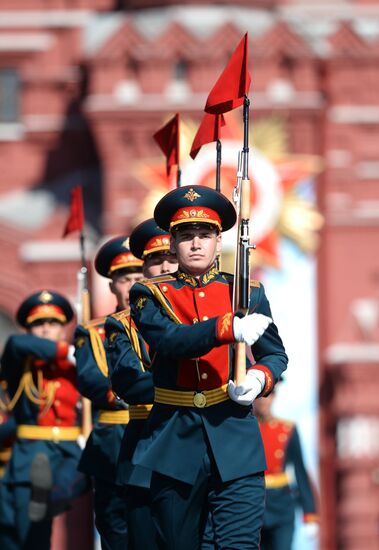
(241, 288)
(83, 316)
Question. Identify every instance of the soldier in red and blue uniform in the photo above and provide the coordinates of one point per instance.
(41, 477)
(201, 441)
(115, 261)
(7, 430)
(129, 367)
(284, 460)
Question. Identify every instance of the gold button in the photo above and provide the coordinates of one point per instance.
(57, 402)
(195, 320)
(57, 384)
(204, 376)
(164, 288)
(199, 400)
(55, 431)
(205, 318)
(283, 437)
(279, 453)
(201, 294)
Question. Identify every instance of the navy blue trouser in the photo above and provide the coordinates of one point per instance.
(142, 534)
(22, 534)
(180, 510)
(278, 537)
(111, 509)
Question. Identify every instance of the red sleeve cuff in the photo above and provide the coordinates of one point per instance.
(224, 329)
(62, 350)
(311, 518)
(269, 379)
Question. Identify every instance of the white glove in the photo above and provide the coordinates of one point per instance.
(250, 328)
(311, 529)
(245, 393)
(70, 354)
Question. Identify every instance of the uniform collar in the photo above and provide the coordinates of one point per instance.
(203, 280)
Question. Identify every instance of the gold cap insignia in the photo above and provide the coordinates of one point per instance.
(191, 195)
(125, 244)
(45, 296)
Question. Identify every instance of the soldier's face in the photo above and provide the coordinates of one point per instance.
(48, 328)
(121, 284)
(196, 248)
(159, 264)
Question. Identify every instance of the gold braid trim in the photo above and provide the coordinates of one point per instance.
(98, 351)
(36, 395)
(133, 337)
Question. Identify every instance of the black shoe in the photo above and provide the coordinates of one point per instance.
(41, 479)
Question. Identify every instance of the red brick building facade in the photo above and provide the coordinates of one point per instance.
(83, 86)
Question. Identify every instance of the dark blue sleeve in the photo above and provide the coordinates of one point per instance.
(268, 350)
(129, 380)
(294, 456)
(17, 349)
(8, 428)
(91, 382)
(166, 337)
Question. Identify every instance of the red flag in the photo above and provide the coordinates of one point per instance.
(168, 140)
(233, 84)
(208, 131)
(76, 217)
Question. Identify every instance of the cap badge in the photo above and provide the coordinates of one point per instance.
(45, 296)
(125, 244)
(191, 195)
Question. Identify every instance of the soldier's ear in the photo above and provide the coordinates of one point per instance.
(218, 243)
(111, 287)
(172, 245)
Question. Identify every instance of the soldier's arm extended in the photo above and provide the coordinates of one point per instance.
(174, 340)
(92, 372)
(21, 346)
(129, 379)
(306, 493)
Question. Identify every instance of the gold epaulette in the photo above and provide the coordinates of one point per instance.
(120, 315)
(254, 284)
(94, 322)
(158, 279)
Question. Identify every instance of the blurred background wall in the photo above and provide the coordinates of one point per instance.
(84, 84)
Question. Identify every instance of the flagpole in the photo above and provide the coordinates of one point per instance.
(218, 165)
(179, 177)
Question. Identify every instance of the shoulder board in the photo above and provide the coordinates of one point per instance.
(254, 284)
(120, 315)
(95, 322)
(228, 276)
(159, 279)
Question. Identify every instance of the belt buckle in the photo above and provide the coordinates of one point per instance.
(199, 400)
(55, 434)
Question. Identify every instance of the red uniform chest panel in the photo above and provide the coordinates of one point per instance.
(63, 409)
(276, 435)
(192, 305)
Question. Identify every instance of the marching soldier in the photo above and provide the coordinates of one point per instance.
(115, 261)
(131, 378)
(201, 442)
(7, 430)
(283, 451)
(41, 477)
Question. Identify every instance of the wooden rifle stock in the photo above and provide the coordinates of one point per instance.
(241, 294)
(84, 317)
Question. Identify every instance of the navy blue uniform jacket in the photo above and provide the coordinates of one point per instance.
(187, 323)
